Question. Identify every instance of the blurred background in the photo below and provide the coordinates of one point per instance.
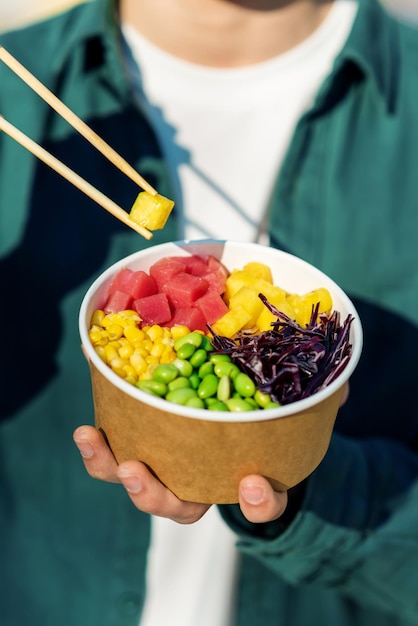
(15, 13)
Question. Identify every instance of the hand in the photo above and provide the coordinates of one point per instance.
(258, 501)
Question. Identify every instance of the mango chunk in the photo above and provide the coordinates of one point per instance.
(302, 304)
(150, 211)
(232, 322)
(266, 317)
(259, 270)
(247, 298)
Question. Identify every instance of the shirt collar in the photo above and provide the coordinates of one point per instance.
(371, 51)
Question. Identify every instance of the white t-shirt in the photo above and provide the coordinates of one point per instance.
(224, 133)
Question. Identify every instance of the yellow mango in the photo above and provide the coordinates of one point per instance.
(150, 211)
(240, 278)
(259, 270)
(302, 304)
(265, 318)
(247, 298)
(232, 322)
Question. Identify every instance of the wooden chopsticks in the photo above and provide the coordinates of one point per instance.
(79, 125)
(72, 177)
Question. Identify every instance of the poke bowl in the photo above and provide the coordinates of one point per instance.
(199, 454)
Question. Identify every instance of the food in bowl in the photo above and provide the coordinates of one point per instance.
(190, 312)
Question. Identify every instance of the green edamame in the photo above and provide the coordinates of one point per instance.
(224, 388)
(244, 385)
(154, 387)
(198, 358)
(165, 372)
(193, 338)
(208, 386)
(179, 383)
(181, 395)
(186, 351)
(238, 405)
(184, 367)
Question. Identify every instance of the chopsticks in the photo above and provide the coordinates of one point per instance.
(79, 125)
(72, 177)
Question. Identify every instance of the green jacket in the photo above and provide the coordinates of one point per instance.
(72, 549)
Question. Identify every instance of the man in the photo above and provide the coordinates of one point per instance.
(314, 100)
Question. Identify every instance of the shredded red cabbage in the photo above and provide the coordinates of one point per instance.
(290, 362)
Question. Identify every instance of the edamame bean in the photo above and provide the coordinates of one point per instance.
(226, 368)
(154, 387)
(165, 372)
(224, 388)
(196, 403)
(217, 405)
(244, 385)
(262, 399)
(208, 386)
(193, 338)
(238, 405)
(181, 395)
(178, 383)
(205, 369)
(184, 367)
(186, 351)
(198, 358)
(272, 405)
(216, 358)
(206, 344)
(194, 380)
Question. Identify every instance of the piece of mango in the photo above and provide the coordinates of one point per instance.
(150, 211)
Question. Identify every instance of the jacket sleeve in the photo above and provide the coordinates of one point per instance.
(356, 531)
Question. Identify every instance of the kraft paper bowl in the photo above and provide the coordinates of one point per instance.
(202, 455)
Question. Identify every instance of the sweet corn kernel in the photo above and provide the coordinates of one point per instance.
(114, 331)
(111, 353)
(98, 336)
(147, 345)
(168, 356)
(158, 348)
(97, 318)
(134, 335)
(129, 372)
(179, 331)
(126, 350)
(117, 364)
(154, 332)
(138, 362)
(100, 350)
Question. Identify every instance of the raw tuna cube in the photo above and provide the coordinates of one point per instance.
(215, 265)
(183, 289)
(195, 264)
(216, 281)
(121, 281)
(163, 270)
(190, 317)
(212, 306)
(136, 283)
(142, 285)
(118, 301)
(153, 309)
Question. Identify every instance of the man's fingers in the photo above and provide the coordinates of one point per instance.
(97, 456)
(259, 502)
(151, 496)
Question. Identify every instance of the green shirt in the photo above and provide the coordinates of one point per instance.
(73, 550)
